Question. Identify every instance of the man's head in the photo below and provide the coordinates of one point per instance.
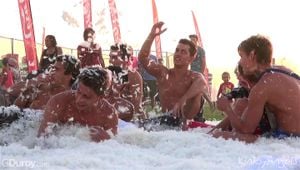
(255, 52)
(89, 35)
(184, 53)
(92, 83)
(5, 61)
(50, 41)
(194, 38)
(119, 55)
(95, 78)
(66, 68)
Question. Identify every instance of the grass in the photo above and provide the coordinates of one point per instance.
(212, 114)
(209, 114)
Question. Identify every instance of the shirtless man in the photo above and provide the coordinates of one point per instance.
(124, 108)
(126, 81)
(86, 106)
(275, 90)
(180, 89)
(62, 76)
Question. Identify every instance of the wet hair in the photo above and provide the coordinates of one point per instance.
(192, 46)
(86, 33)
(52, 39)
(71, 66)
(5, 61)
(261, 46)
(95, 78)
(122, 51)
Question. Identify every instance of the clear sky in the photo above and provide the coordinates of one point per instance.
(223, 25)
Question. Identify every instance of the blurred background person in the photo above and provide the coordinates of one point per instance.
(49, 54)
(88, 52)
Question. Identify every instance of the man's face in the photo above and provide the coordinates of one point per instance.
(116, 60)
(182, 55)
(85, 98)
(247, 62)
(57, 74)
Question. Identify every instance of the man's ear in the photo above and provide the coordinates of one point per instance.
(252, 55)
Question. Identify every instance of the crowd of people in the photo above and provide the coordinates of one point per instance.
(84, 91)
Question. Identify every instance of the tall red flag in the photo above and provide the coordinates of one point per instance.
(87, 13)
(197, 30)
(28, 34)
(200, 44)
(157, 38)
(114, 21)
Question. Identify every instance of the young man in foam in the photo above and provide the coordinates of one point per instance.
(62, 75)
(126, 81)
(86, 106)
(276, 89)
(180, 89)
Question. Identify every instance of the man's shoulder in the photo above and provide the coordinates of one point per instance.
(64, 97)
(107, 108)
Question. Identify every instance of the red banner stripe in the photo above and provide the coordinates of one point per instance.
(114, 21)
(28, 34)
(87, 13)
(157, 38)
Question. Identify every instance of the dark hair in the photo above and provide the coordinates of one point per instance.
(86, 32)
(5, 61)
(71, 66)
(122, 50)
(52, 39)
(193, 49)
(95, 78)
(193, 36)
(261, 46)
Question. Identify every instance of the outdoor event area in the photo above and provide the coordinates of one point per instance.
(149, 84)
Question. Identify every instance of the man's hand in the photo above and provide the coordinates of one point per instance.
(157, 29)
(178, 109)
(223, 103)
(98, 134)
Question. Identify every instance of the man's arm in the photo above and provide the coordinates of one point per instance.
(136, 93)
(51, 115)
(198, 87)
(250, 117)
(108, 130)
(143, 56)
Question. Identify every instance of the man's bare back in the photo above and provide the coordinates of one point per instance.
(282, 99)
(273, 89)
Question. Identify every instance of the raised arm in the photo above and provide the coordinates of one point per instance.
(143, 56)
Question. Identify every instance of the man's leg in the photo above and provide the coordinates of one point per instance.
(199, 116)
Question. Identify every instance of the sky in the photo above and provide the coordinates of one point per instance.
(135, 149)
(223, 25)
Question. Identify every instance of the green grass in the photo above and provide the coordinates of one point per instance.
(209, 114)
(212, 114)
